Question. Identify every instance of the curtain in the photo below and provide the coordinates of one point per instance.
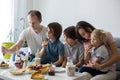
(19, 13)
(13, 14)
(5, 21)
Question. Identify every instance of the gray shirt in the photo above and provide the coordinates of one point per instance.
(76, 52)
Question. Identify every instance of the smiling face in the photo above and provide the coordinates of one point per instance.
(34, 22)
(84, 34)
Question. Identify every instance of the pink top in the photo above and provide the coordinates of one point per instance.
(109, 41)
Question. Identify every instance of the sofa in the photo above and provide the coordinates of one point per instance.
(117, 40)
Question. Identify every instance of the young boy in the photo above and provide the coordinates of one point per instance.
(53, 52)
(73, 48)
(98, 53)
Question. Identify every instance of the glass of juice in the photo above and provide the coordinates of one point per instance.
(7, 45)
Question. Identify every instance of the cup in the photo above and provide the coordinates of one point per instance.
(7, 45)
(37, 61)
(70, 70)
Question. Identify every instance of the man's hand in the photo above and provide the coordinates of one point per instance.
(4, 50)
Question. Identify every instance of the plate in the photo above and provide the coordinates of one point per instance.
(60, 69)
(4, 66)
(17, 71)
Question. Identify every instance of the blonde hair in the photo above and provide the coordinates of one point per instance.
(100, 34)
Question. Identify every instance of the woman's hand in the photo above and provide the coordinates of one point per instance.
(95, 65)
(89, 64)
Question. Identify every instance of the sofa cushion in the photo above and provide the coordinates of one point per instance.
(118, 66)
(118, 75)
(117, 40)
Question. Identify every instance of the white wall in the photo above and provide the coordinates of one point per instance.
(104, 14)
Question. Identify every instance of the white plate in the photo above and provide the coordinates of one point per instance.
(17, 71)
(59, 69)
(5, 67)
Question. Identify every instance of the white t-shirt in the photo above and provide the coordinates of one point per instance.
(102, 54)
(33, 39)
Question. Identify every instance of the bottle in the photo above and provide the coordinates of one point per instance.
(69, 61)
(37, 54)
(37, 58)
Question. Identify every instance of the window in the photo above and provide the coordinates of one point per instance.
(5, 20)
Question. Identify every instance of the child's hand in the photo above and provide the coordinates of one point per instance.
(88, 48)
(44, 43)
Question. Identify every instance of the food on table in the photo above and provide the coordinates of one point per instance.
(4, 64)
(37, 76)
(17, 72)
(38, 68)
(45, 42)
(19, 64)
(51, 72)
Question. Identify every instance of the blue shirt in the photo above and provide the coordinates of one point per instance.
(52, 52)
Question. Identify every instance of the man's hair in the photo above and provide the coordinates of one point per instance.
(35, 13)
(56, 29)
(70, 32)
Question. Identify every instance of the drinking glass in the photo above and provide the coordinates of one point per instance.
(7, 45)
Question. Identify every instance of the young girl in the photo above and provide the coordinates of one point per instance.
(73, 48)
(98, 53)
(53, 52)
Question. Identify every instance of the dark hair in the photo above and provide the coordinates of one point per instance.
(70, 32)
(56, 29)
(35, 13)
(83, 25)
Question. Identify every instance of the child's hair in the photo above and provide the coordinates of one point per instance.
(100, 34)
(70, 32)
(56, 29)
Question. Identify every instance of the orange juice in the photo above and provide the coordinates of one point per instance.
(7, 45)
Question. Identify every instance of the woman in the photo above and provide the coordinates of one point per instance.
(83, 31)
